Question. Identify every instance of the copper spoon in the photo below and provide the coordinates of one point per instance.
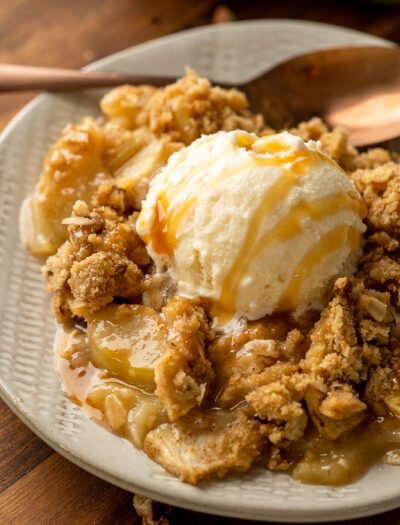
(357, 87)
(354, 87)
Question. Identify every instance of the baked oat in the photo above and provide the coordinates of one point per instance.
(288, 394)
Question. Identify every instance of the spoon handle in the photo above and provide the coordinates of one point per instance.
(23, 78)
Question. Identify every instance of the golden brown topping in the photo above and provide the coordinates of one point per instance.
(386, 269)
(334, 142)
(203, 444)
(183, 110)
(99, 262)
(341, 404)
(191, 107)
(275, 402)
(96, 280)
(380, 188)
(184, 374)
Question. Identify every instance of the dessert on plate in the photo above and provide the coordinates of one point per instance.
(227, 295)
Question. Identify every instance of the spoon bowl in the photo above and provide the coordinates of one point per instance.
(354, 87)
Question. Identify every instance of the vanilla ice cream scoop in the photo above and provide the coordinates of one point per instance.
(257, 225)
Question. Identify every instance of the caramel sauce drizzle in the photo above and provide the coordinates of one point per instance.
(168, 215)
(287, 228)
(77, 382)
(331, 242)
(165, 225)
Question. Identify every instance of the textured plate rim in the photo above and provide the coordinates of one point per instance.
(337, 510)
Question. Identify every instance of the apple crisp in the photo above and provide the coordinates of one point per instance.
(316, 395)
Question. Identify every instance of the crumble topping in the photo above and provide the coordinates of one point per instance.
(101, 260)
(184, 110)
(202, 444)
(253, 394)
(183, 374)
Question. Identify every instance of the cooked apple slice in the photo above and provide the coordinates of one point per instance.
(97, 395)
(202, 444)
(72, 170)
(126, 410)
(127, 340)
(135, 175)
(121, 145)
(126, 105)
(146, 415)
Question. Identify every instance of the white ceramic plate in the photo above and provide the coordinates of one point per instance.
(28, 383)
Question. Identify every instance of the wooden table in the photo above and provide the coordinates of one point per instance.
(37, 485)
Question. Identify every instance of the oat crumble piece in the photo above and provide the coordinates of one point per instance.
(380, 188)
(101, 261)
(184, 374)
(204, 444)
(183, 110)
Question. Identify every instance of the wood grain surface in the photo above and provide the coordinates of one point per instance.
(37, 485)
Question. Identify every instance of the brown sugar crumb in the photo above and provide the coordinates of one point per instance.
(97, 279)
(348, 346)
(183, 374)
(334, 142)
(183, 110)
(380, 188)
(105, 231)
(99, 262)
(334, 352)
(384, 240)
(380, 269)
(310, 130)
(343, 335)
(373, 158)
(204, 444)
(274, 401)
(192, 107)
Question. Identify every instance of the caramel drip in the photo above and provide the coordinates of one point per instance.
(244, 140)
(168, 217)
(270, 145)
(331, 242)
(77, 382)
(165, 224)
(300, 162)
(159, 230)
(285, 229)
(171, 209)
